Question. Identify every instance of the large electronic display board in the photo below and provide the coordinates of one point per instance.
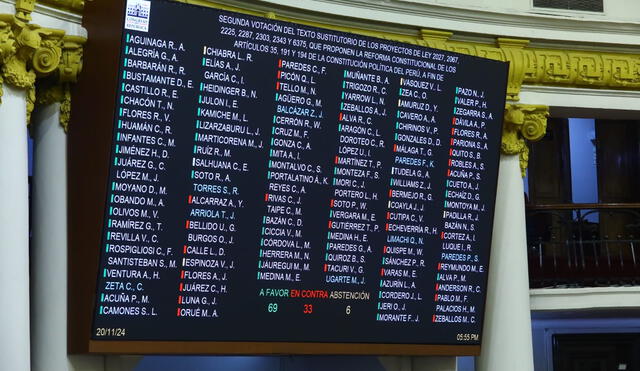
(271, 183)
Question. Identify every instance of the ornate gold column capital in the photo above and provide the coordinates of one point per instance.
(7, 43)
(56, 88)
(28, 51)
(71, 62)
(36, 53)
(522, 123)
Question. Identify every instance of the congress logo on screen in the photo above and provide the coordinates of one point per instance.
(137, 17)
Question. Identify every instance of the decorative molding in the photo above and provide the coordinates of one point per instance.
(584, 102)
(48, 16)
(71, 10)
(585, 298)
(582, 69)
(76, 6)
(513, 50)
(522, 123)
(599, 93)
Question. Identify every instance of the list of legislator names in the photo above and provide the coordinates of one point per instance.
(277, 182)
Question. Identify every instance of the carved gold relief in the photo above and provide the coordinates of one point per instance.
(15, 70)
(624, 71)
(514, 54)
(57, 87)
(582, 69)
(435, 39)
(590, 69)
(71, 62)
(522, 123)
(46, 58)
(24, 9)
(31, 102)
(7, 41)
(7, 47)
(34, 51)
(27, 51)
(37, 53)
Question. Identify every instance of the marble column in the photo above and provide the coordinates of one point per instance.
(506, 339)
(49, 241)
(14, 232)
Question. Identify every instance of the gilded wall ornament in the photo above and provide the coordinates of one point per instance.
(24, 9)
(15, 69)
(56, 88)
(37, 54)
(7, 47)
(27, 51)
(522, 123)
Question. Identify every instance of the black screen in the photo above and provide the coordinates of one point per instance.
(277, 182)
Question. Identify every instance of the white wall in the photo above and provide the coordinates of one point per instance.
(492, 5)
(477, 18)
(621, 10)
